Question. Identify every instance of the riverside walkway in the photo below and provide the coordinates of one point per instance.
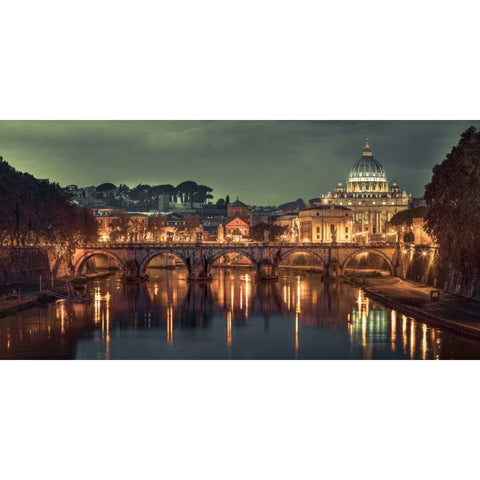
(453, 312)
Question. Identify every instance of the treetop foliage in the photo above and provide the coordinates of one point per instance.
(453, 198)
(406, 216)
(36, 212)
(274, 231)
(106, 187)
(187, 192)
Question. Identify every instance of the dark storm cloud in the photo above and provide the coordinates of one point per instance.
(263, 162)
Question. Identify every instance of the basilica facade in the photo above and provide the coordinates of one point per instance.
(371, 198)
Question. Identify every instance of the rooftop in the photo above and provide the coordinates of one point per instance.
(237, 203)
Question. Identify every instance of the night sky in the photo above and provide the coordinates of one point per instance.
(264, 163)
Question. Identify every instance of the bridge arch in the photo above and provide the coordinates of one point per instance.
(290, 251)
(378, 253)
(225, 252)
(78, 265)
(151, 256)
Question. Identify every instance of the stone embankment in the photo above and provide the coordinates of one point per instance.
(452, 312)
(21, 265)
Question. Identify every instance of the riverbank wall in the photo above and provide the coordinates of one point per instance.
(23, 265)
(26, 265)
(423, 270)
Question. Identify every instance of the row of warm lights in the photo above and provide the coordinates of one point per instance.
(408, 334)
(229, 317)
(423, 254)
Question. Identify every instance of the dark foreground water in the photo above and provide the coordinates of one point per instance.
(233, 317)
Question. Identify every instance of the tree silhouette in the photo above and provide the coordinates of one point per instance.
(275, 231)
(453, 198)
(121, 225)
(156, 224)
(36, 212)
(106, 187)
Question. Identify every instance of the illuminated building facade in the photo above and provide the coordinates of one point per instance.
(237, 230)
(326, 224)
(371, 198)
(138, 225)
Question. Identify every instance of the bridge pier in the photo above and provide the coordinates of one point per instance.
(198, 262)
(267, 272)
(198, 272)
(403, 260)
(131, 272)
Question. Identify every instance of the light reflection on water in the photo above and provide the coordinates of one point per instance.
(232, 317)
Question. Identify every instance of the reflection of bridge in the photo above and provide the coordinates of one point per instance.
(134, 258)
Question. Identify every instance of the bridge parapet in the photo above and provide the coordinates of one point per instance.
(234, 245)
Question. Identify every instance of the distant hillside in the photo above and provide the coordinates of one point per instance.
(295, 206)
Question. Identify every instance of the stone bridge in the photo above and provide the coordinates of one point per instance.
(134, 258)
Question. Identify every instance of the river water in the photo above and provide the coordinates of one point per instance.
(233, 317)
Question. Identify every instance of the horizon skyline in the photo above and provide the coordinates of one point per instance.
(232, 157)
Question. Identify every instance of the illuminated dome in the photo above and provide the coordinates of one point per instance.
(367, 169)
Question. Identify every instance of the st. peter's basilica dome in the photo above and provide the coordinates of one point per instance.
(367, 169)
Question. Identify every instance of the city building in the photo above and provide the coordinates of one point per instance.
(211, 218)
(104, 217)
(261, 215)
(238, 209)
(137, 225)
(371, 198)
(326, 224)
(176, 220)
(237, 230)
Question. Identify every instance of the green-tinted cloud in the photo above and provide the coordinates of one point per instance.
(266, 162)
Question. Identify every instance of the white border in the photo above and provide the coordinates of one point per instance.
(238, 60)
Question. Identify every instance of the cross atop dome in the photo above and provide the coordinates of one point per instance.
(367, 151)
